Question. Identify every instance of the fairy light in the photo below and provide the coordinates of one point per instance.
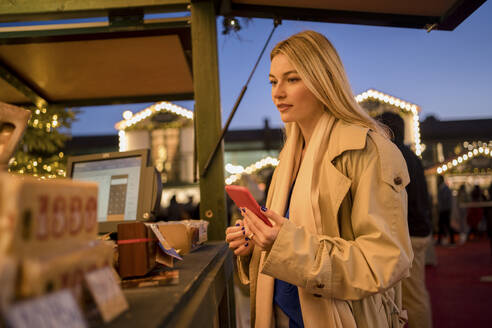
(130, 119)
(234, 169)
(238, 171)
(474, 149)
(404, 105)
(127, 114)
(123, 141)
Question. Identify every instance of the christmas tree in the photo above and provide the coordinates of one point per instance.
(40, 151)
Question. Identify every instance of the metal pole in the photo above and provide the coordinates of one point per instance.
(276, 23)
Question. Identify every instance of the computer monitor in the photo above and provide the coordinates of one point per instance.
(128, 188)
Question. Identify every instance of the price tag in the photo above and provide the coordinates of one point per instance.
(106, 292)
(51, 311)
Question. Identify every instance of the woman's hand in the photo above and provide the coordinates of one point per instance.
(237, 239)
(261, 234)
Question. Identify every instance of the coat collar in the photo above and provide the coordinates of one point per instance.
(346, 137)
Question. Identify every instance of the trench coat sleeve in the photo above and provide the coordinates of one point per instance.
(380, 253)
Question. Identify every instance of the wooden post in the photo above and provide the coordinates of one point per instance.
(207, 114)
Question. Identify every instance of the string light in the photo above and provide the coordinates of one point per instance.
(475, 150)
(131, 119)
(127, 114)
(123, 142)
(157, 107)
(238, 171)
(403, 105)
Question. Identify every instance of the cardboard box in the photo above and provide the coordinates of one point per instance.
(63, 269)
(184, 236)
(40, 216)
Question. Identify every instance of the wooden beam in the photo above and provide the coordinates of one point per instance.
(207, 113)
(27, 10)
(119, 100)
(22, 86)
(94, 31)
(332, 16)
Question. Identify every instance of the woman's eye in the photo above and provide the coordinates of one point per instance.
(272, 82)
(293, 79)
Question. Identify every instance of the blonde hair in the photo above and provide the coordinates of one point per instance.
(321, 70)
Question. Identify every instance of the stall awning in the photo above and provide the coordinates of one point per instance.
(435, 14)
(93, 65)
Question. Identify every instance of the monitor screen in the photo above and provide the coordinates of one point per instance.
(129, 189)
(118, 180)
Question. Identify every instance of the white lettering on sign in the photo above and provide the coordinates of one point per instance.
(51, 311)
(106, 292)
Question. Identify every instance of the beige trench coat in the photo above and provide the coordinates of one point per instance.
(348, 264)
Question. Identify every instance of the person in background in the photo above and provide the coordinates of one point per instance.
(415, 295)
(444, 199)
(462, 198)
(475, 214)
(488, 217)
(339, 245)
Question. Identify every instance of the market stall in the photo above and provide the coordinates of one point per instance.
(120, 55)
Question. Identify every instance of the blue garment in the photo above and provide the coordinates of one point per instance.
(286, 295)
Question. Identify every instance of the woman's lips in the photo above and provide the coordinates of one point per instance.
(283, 108)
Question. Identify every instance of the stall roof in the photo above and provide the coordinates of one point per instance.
(127, 58)
(435, 14)
(92, 65)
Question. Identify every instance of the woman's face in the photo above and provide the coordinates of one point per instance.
(290, 95)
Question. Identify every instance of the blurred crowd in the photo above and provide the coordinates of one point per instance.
(464, 214)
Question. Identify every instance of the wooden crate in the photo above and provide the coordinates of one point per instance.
(136, 248)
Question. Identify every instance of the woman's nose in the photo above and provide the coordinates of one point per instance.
(278, 92)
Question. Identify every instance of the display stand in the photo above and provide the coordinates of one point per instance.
(204, 296)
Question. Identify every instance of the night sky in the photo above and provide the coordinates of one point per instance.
(448, 74)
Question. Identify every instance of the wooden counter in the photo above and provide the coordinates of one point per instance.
(204, 296)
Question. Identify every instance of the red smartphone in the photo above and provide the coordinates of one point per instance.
(243, 198)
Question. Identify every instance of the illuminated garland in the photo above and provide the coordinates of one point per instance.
(472, 152)
(131, 120)
(39, 153)
(238, 171)
(403, 105)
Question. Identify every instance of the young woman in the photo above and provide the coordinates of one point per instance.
(339, 244)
